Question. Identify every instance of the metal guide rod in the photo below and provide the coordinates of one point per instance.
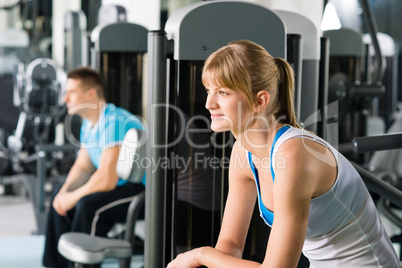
(157, 120)
(372, 29)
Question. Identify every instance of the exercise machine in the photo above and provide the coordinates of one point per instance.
(176, 57)
(120, 62)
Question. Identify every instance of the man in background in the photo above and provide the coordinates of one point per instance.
(92, 197)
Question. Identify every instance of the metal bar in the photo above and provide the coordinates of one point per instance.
(295, 57)
(385, 207)
(40, 191)
(132, 216)
(372, 29)
(384, 189)
(323, 87)
(41, 173)
(157, 120)
(377, 143)
(50, 148)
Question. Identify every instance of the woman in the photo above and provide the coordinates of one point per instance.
(311, 195)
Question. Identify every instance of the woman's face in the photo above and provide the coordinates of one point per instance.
(229, 108)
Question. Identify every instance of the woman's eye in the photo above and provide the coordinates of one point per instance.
(223, 93)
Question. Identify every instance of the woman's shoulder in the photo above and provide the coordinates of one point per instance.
(305, 147)
(239, 162)
(307, 158)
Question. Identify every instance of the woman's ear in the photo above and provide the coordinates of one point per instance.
(262, 100)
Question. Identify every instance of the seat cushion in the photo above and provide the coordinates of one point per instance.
(86, 249)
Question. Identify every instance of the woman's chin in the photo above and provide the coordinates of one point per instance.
(217, 128)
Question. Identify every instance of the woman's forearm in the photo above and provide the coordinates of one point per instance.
(229, 248)
(213, 257)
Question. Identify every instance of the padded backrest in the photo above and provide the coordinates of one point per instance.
(42, 90)
(132, 152)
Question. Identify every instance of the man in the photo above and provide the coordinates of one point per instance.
(92, 197)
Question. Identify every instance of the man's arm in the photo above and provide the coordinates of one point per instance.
(79, 173)
(102, 180)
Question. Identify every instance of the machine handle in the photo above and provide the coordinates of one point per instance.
(377, 143)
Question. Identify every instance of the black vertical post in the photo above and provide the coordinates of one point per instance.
(295, 58)
(157, 112)
(323, 88)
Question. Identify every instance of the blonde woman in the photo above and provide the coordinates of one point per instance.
(311, 196)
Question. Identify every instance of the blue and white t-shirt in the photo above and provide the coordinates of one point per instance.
(109, 131)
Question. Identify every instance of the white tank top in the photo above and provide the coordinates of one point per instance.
(344, 229)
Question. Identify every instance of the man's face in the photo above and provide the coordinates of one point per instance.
(76, 97)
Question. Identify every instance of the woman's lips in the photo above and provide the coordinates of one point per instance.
(216, 116)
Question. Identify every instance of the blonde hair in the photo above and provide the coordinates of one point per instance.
(248, 68)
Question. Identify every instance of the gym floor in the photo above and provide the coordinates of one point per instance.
(20, 247)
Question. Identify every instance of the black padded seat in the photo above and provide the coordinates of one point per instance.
(86, 249)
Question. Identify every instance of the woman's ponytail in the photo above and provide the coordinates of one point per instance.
(286, 112)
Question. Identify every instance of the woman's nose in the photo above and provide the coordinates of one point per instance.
(211, 102)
